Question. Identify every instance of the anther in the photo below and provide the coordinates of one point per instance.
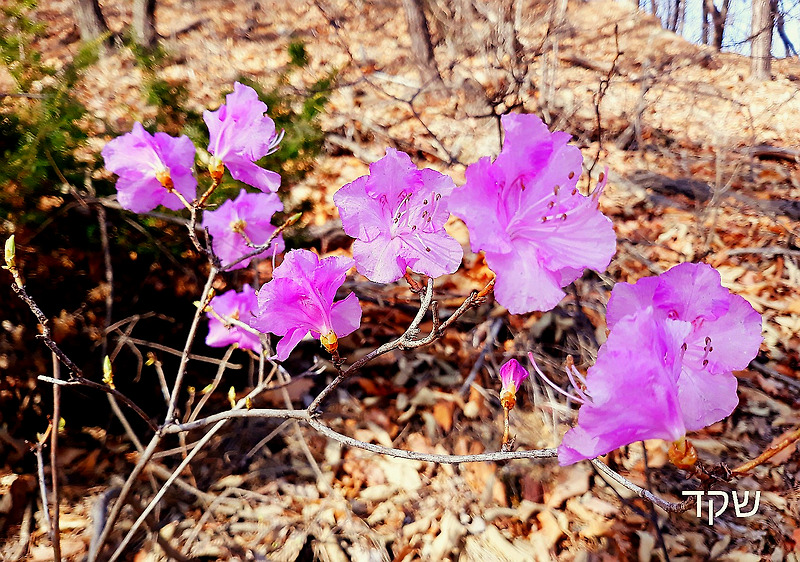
(425, 202)
(427, 249)
(571, 175)
(551, 204)
(574, 190)
(602, 176)
(555, 189)
(564, 217)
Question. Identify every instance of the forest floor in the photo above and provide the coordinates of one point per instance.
(703, 167)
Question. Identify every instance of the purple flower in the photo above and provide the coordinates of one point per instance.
(239, 135)
(239, 221)
(631, 391)
(397, 215)
(236, 306)
(299, 301)
(150, 167)
(725, 334)
(511, 376)
(525, 212)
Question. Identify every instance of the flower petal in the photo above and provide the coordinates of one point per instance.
(289, 342)
(252, 174)
(346, 315)
(479, 203)
(522, 284)
(380, 260)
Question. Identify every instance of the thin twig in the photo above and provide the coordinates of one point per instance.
(126, 488)
(667, 506)
(442, 459)
(605, 82)
(411, 331)
(207, 393)
(793, 437)
(42, 482)
(266, 245)
(491, 336)
(80, 381)
(144, 458)
(152, 504)
(101, 220)
(176, 389)
(45, 336)
(178, 353)
(55, 529)
(234, 414)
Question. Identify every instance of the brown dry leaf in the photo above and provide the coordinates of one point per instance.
(69, 547)
(572, 481)
(443, 414)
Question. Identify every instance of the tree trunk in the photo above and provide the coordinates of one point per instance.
(421, 45)
(718, 18)
(761, 45)
(779, 25)
(704, 36)
(144, 22)
(90, 20)
(674, 16)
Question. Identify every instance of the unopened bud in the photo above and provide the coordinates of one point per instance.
(329, 341)
(293, 219)
(11, 253)
(165, 179)
(682, 454)
(232, 397)
(216, 168)
(511, 375)
(108, 373)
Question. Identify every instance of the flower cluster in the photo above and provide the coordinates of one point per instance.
(151, 168)
(676, 339)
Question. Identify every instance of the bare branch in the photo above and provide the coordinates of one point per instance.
(667, 506)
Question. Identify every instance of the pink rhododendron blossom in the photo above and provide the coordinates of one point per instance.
(631, 391)
(725, 334)
(240, 134)
(239, 221)
(149, 168)
(511, 375)
(524, 211)
(299, 301)
(397, 215)
(236, 306)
